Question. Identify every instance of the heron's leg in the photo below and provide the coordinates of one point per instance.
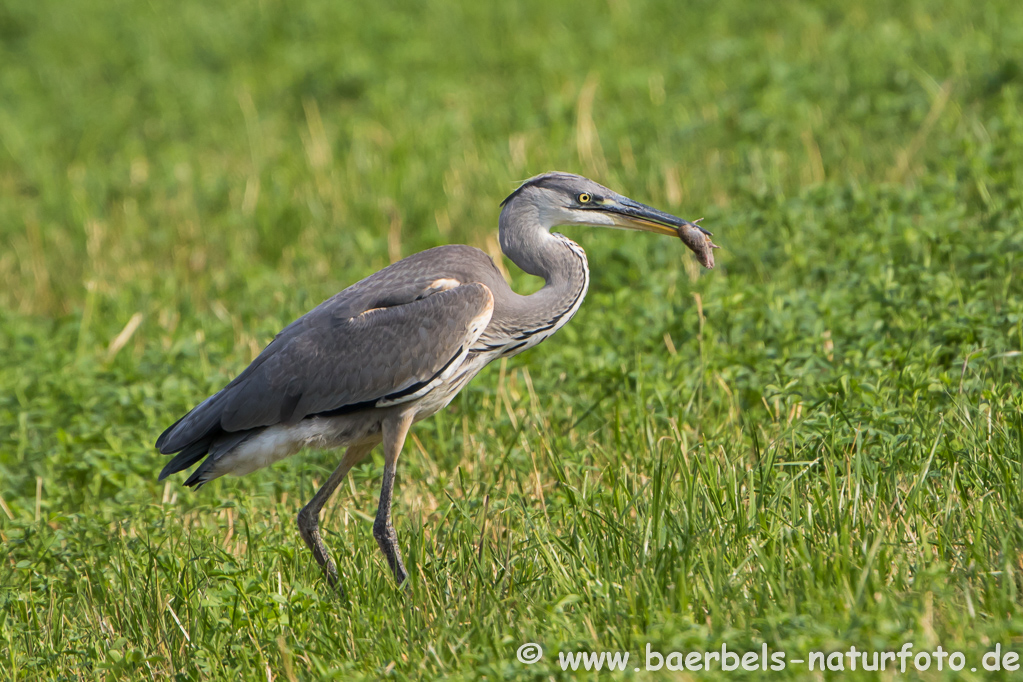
(309, 517)
(394, 432)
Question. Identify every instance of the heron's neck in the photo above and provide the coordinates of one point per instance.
(528, 242)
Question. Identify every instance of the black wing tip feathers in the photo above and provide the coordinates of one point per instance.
(161, 442)
(188, 456)
(197, 479)
(198, 424)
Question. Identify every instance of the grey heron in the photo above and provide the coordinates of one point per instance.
(394, 348)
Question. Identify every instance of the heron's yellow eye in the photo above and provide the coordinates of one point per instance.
(584, 198)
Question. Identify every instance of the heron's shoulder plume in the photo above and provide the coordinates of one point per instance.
(550, 179)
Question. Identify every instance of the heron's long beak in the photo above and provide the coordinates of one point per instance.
(633, 215)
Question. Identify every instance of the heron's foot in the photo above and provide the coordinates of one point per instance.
(309, 527)
(388, 541)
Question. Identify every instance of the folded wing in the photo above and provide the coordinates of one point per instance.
(331, 362)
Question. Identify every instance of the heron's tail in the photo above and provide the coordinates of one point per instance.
(186, 458)
(215, 446)
(192, 436)
(201, 423)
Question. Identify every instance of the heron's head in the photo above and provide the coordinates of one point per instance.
(568, 199)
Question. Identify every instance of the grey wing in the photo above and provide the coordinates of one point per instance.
(329, 364)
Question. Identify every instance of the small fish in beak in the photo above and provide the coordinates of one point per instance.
(698, 241)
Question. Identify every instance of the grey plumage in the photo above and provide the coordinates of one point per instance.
(394, 348)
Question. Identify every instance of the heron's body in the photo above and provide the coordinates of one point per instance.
(396, 347)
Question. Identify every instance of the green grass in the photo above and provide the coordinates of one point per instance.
(818, 444)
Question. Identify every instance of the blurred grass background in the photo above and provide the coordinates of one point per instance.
(817, 444)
